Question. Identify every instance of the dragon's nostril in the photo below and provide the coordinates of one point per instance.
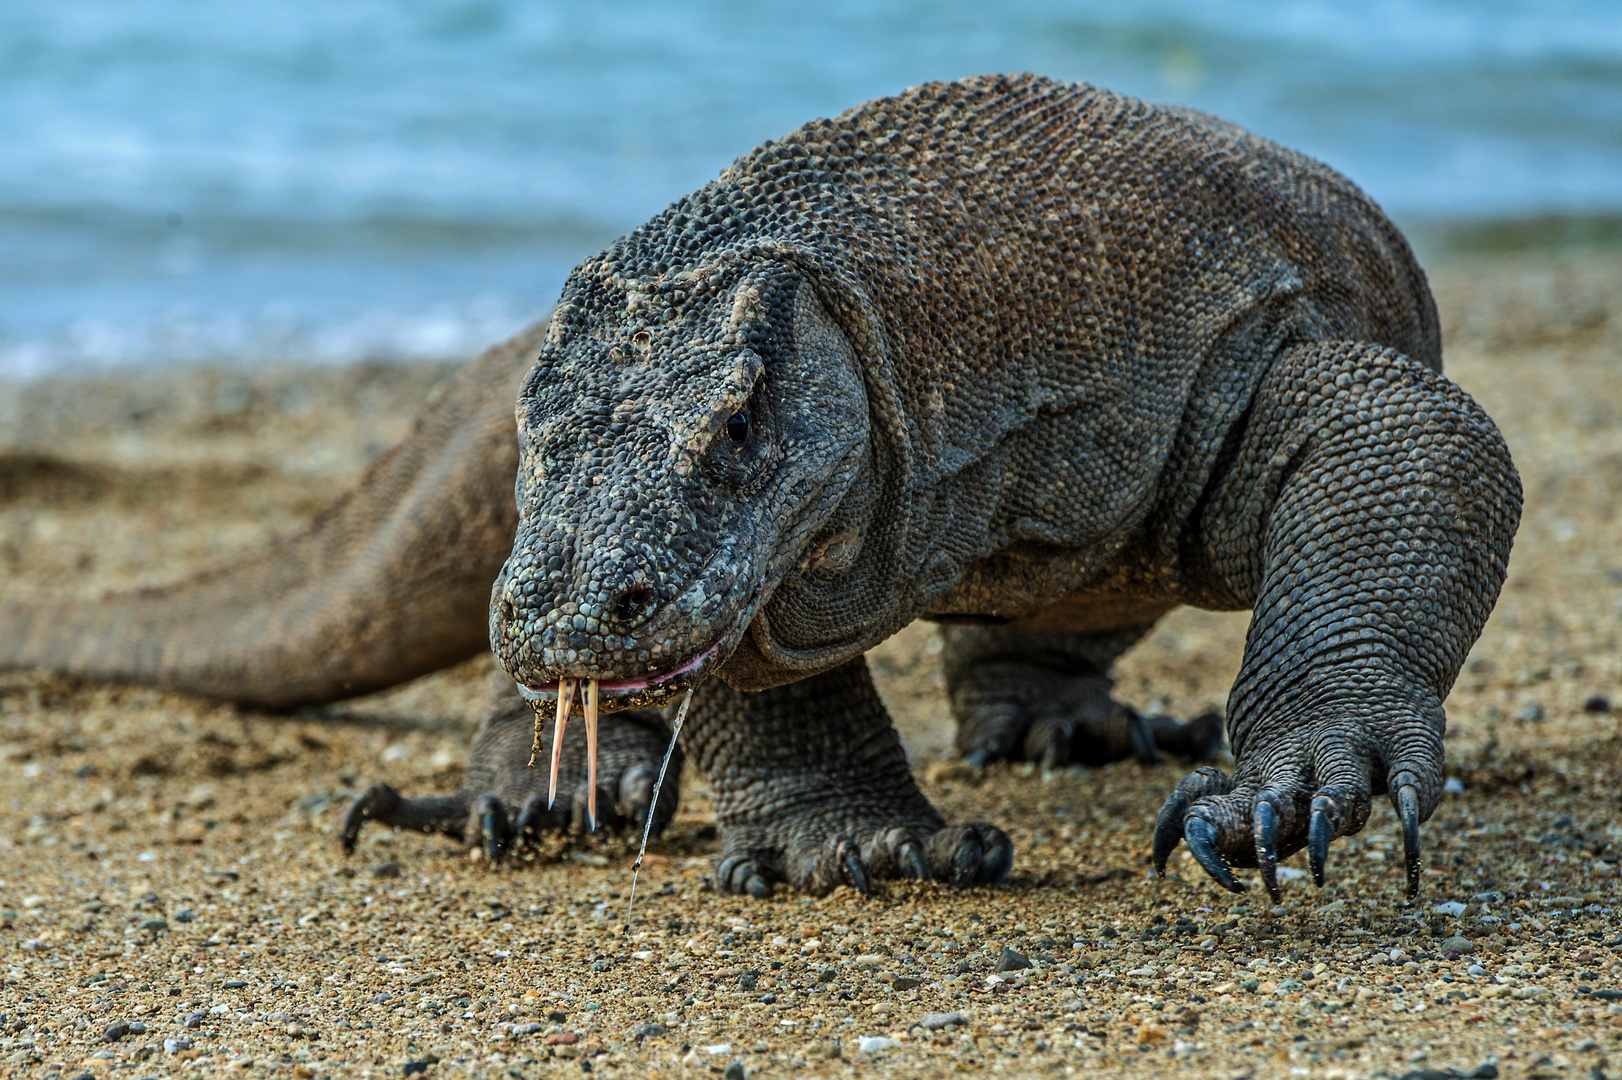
(633, 603)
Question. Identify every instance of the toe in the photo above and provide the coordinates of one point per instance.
(1199, 784)
(531, 820)
(968, 855)
(445, 814)
(997, 858)
(896, 852)
(991, 732)
(743, 874)
(635, 796)
(492, 827)
(378, 801)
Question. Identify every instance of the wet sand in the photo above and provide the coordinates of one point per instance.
(173, 900)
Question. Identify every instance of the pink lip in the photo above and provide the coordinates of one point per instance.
(641, 683)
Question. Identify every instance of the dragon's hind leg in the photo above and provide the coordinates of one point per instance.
(502, 806)
(1045, 697)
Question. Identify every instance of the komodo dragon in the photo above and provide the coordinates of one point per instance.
(1028, 358)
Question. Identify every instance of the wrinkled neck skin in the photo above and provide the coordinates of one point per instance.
(698, 485)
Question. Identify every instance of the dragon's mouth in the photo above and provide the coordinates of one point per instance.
(637, 692)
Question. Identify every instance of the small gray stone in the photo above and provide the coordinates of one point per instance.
(176, 1043)
(115, 1032)
(648, 1031)
(942, 1021)
(193, 1020)
(1012, 961)
(136, 1027)
(903, 982)
(1460, 945)
(386, 869)
(735, 1071)
(153, 926)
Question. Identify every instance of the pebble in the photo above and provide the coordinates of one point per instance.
(115, 1032)
(1010, 960)
(941, 1021)
(1461, 945)
(386, 870)
(176, 1043)
(872, 1044)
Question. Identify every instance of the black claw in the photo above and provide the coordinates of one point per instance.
(352, 824)
(758, 887)
(978, 758)
(1201, 836)
(912, 861)
(1143, 741)
(492, 827)
(857, 874)
(1266, 831)
(966, 863)
(1408, 810)
(1319, 833)
(527, 829)
(1169, 828)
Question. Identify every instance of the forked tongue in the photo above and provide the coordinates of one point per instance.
(566, 688)
(659, 782)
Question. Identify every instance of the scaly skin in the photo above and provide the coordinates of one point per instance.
(1016, 354)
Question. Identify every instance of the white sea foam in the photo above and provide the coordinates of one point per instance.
(371, 180)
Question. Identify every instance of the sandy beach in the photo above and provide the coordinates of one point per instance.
(173, 900)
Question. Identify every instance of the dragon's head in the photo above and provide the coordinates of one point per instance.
(689, 443)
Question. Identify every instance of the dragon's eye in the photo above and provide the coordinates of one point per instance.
(738, 428)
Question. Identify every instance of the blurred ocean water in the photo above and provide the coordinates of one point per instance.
(183, 182)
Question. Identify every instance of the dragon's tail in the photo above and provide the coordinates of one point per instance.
(390, 582)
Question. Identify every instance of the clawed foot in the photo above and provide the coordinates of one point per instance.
(1040, 697)
(1309, 792)
(815, 860)
(502, 807)
(1057, 721)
